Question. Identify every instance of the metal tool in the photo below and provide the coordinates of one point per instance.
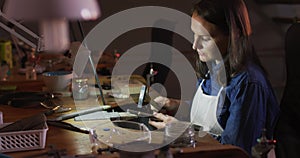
(67, 126)
(82, 112)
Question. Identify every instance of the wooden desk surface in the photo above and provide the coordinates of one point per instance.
(78, 144)
(73, 142)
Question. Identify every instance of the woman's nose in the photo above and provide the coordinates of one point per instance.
(194, 46)
(197, 44)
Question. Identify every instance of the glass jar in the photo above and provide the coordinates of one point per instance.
(80, 88)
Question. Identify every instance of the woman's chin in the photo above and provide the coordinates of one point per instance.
(203, 58)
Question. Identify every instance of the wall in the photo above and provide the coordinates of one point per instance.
(110, 7)
(269, 38)
(268, 35)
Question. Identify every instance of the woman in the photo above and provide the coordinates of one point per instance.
(234, 100)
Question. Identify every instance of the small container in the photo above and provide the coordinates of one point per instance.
(31, 73)
(23, 140)
(80, 88)
(57, 81)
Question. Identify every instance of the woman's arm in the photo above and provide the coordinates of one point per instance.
(247, 116)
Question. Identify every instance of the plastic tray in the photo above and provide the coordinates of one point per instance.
(23, 140)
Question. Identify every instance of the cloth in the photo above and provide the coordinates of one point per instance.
(203, 111)
(249, 106)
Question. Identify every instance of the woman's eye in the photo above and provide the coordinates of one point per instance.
(206, 38)
(202, 38)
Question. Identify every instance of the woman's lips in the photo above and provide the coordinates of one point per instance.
(201, 53)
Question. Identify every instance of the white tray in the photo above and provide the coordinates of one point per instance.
(23, 140)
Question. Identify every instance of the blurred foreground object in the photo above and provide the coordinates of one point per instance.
(264, 148)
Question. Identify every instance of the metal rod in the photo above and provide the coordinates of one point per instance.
(13, 32)
(97, 79)
(92, 65)
(37, 46)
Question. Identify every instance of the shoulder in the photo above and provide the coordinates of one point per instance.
(251, 76)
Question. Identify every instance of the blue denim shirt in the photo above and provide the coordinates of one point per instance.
(249, 106)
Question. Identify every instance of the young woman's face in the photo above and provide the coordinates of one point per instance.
(209, 41)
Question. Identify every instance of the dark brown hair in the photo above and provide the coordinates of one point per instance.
(231, 17)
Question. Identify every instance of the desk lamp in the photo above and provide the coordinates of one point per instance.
(38, 44)
(53, 16)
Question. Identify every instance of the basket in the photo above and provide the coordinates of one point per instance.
(23, 140)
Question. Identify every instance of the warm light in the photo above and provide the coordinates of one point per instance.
(53, 16)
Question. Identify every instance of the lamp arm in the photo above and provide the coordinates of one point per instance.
(38, 46)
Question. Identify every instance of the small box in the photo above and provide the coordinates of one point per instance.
(6, 52)
(23, 140)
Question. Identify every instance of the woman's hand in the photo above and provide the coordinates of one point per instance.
(168, 103)
(165, 119)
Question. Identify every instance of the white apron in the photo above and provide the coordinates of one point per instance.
(204, 109)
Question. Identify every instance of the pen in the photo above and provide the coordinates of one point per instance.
(82, 112)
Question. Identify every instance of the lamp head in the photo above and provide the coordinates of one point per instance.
(53, 16)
